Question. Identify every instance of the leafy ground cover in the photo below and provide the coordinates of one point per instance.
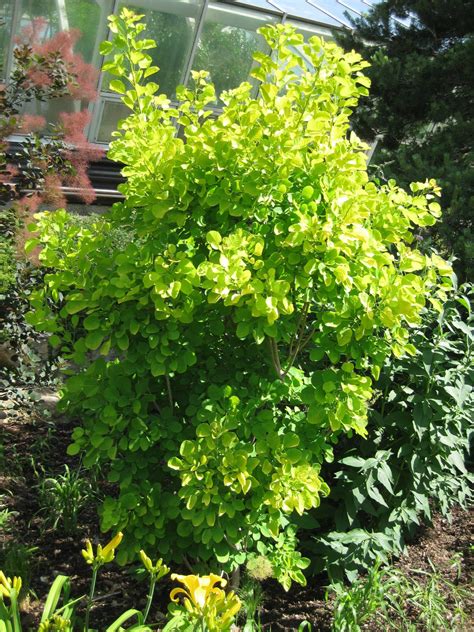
(33, 443)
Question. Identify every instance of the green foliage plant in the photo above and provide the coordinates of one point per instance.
(7, 250)
(18, 360)
(416, 456)
(357, 604)
(6, 517)
(62, 498)
(18, 559)
(252, 597)
(268, 282)
(257, 569)
(55, 618)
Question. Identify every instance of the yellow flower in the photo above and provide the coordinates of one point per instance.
(147, 563)
(197, 589)
(88, 553)
(55, 624)
(203, 599)
(103, 555)
(7, 585)
(108, 552)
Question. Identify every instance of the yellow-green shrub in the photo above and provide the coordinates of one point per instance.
(267, 282)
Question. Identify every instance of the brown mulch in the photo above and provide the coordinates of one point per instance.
(33, 444)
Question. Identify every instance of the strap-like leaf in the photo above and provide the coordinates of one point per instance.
(116, 625)
(53, 597)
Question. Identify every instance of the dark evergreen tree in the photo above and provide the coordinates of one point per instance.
(421, 106)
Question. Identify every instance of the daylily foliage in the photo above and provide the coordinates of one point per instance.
(264, 282)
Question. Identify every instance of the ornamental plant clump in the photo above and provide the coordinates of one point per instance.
(205, 605)
(239, 333)
(50, 156)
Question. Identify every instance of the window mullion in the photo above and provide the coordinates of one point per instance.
(11, 45)
(98, 107)
(192, 52)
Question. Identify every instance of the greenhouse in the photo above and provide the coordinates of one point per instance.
(217, 36)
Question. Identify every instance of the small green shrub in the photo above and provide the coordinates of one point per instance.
(7, 516)
(252, 597)
(268, 283)
(358, 604)
(21, 364)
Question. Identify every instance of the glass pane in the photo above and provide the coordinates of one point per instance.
(88, 17)
(112, 113)
(329, 12)
(261, 4)
(227, 43)
(307, 30)
(49, 17)
(6, 14)
(50, 110)
(172, 24)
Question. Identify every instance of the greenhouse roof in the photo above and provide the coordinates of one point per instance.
(328, 12)
(218, 36)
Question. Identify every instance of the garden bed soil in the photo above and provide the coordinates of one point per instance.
(33, 442)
